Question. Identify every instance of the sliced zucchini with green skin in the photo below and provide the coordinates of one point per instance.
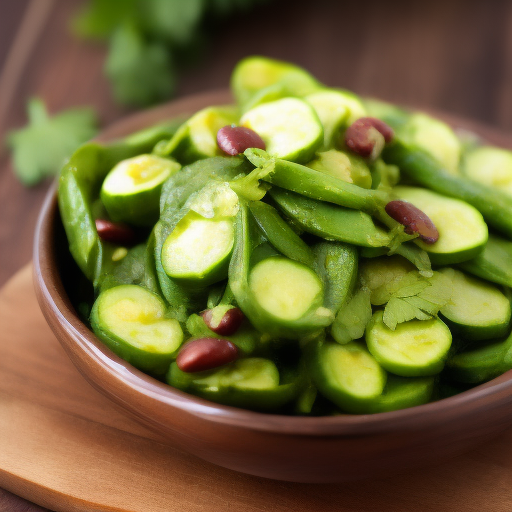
(285, 289)
(481, 363)
(197, 137)
(348, 375)
(335, 109)
(403, 392)
(494, 263)
(435, 137)
(131, 190)
(490, 166)
(344, 166)
(330, 221)
(256, 73)
(417, 348)
(198, 250)
(289, 126)
(462, 230)
(131, 321)
(477, 310)
(251, 383)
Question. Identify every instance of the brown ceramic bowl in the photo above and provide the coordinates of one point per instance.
(302, 449)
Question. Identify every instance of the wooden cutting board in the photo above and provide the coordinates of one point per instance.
(64, 446)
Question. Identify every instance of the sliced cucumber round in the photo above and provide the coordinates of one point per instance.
(131, 190)
(403, 392)
(490, 166)
(462, 230)
(348, 375)
(198, 250)
(477, 309)
(252, 383)
(131, 321)
(197, 137)
(481, 363)
(336, 110)
(256, 73)
(285, 289)
(437, 138)
(417, 348)
(289, 126)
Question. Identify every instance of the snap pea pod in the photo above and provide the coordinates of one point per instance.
(330, 221)
(279, 233)
(418, 165)
(79, 185)
(315, 184)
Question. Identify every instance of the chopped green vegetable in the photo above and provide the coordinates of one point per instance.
(40, 149)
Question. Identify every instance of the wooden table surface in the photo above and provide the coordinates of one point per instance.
(451, 55)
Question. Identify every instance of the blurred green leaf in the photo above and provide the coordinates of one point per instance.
(141, 72)
(100, 18)
(41, 148)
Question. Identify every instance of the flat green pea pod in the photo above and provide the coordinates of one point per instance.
(79, 185)
(279, 234)
(315, 184)
(254, 74)
(494, 263)
(423, 168)
(197, 137)
(337, 264)
(330, 221)
(252, 383)
(481, 362)
(281, 297)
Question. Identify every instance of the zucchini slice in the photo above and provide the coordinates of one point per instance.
(197, 137)
(490, 166)
(336, 110)
(481, 363)
(417, 348)
(252, 383)
(198, 250)
(462, 230)
(131, 321)
(253, 74)
(477, 310)
(285, 289)
(348, 375)
(131, 190)
(289, 126)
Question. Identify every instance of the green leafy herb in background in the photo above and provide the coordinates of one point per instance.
(149, 40)
(40, 149)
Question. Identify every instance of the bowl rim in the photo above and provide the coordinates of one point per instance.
(51, 294)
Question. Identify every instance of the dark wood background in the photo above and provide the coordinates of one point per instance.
(451, 55)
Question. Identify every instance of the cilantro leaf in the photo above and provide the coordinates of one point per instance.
(41, 148)
(415, 297)
(141, 72)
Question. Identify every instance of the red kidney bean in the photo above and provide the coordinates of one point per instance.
(234, 140)
(229, 323)
(204, 354)
(115, 232)
(414, 220)
(367, 136)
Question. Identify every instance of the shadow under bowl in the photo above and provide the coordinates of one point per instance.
(300, 449)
